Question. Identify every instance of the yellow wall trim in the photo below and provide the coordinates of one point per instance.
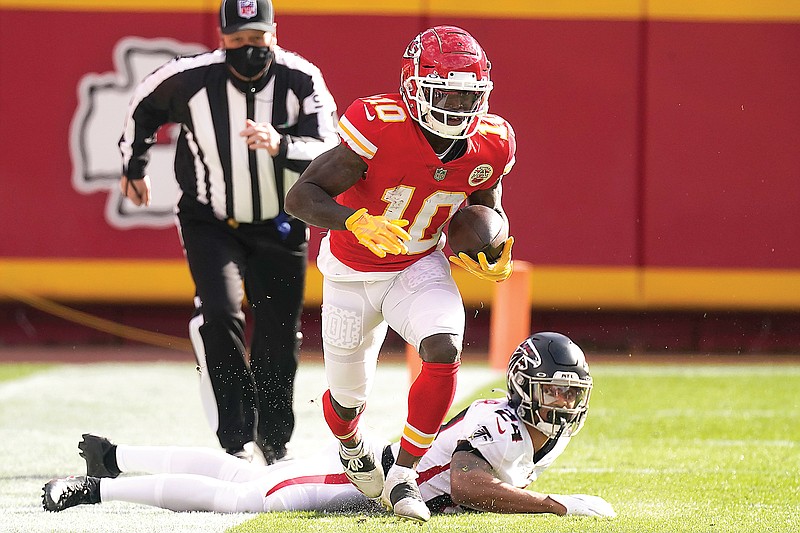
(700, 10)
(552, 287)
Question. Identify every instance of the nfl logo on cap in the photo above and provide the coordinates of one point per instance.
(237, 15)
(247, 8)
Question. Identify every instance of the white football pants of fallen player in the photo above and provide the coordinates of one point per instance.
(202, 479)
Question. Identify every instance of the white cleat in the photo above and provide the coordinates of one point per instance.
(401, 495)
(362, 469)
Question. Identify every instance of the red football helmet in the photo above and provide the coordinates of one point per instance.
(445, 81)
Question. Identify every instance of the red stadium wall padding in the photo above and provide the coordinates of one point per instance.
(722, 145)
(641, 143)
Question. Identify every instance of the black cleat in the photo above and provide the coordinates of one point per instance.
(100, 455)
(60, 494)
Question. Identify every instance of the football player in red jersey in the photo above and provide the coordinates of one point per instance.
(406, 164)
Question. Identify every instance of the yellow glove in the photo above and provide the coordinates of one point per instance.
(497, 271)
(378, 233)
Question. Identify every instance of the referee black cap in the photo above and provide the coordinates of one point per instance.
(236, 15)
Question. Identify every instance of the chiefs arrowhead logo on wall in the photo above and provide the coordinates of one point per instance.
(97, 126)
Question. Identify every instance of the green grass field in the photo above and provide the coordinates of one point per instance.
(17, 371)
(675, 448)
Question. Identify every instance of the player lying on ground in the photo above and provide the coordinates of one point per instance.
(482, 459)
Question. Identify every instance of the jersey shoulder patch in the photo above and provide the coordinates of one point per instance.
(497, 132)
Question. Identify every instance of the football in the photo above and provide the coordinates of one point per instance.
(477, 228)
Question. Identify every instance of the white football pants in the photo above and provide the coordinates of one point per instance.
(202, 479)
(418, 302)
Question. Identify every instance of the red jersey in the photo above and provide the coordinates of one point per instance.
(405, 178)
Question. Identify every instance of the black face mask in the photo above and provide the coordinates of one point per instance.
(249, 61)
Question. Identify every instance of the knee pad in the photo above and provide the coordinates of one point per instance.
(443, 348)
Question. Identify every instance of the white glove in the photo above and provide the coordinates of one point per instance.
(585, 505)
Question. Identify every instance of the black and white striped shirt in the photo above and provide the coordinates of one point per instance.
(213, 164)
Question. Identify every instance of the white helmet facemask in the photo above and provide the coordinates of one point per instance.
(449, 107)
(556, 407)
(549, 384)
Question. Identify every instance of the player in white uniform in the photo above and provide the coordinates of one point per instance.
(482, 459)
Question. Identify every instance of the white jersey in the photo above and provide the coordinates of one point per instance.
(220, 482)
(492, 428)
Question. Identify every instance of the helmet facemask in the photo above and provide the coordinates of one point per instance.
(549, 384)
(449, 107)
(557, 406)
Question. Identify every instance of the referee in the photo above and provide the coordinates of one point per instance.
(252, 117)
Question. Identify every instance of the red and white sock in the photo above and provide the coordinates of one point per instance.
(342, 429)
(429, 399)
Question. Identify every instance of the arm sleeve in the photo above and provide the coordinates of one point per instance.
(148, 111)
(315, 132)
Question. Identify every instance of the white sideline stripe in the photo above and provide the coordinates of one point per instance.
(22, 386)
(43, 416)
(385, 414)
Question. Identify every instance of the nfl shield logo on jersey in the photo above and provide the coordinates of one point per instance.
(247, 9)
(440, 174)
